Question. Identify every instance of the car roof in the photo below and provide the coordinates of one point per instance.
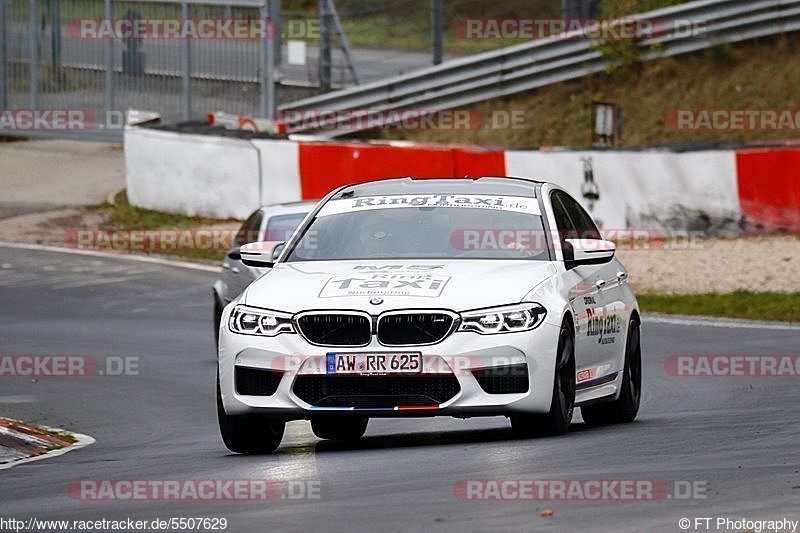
(496, 185)
(288, 208)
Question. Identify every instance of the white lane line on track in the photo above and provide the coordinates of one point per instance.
(109, 255)
(91, 283)
(19, 398)
(705, 321)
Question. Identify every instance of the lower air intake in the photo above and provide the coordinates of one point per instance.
(376, 391)
(503, 379)
(256, 381)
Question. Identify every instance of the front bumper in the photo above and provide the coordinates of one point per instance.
(457, 356)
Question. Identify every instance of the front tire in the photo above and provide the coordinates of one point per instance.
(339, 428)
(557, 420)
(626, 407)
(217, 318)
(248, 434)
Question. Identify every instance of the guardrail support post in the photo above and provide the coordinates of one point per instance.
(345, 46)
(33, 44)
(186, 67)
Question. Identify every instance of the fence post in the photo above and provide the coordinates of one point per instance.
(54, 8)
(267, 82)
(276, 18)
(325, 60)
(109, 61)
(33, 43)
(437, 21)
(3, 55)
(186, 64)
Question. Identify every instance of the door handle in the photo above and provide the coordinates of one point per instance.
(622, 276)
(235, 270)
(600, 283)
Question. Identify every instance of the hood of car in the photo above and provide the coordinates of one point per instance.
(377, 286)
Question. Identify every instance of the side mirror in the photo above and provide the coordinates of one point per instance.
(591, 251)
(261, 254)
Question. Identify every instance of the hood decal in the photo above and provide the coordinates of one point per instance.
(386, 281)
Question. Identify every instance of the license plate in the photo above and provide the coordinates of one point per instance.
(374, 364)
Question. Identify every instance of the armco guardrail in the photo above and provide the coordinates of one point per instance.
(535, 64)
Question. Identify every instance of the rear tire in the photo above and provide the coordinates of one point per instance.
(248, 434)
(339, 428)
(626, 407)
(557, 420)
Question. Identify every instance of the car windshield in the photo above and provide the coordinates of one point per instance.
(424, 227)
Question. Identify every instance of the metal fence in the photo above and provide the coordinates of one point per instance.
(47, 63)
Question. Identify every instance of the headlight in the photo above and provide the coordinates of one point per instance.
(506, 319)
(252, 321)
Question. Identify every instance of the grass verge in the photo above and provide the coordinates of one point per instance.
(740, 304)
(122, 215)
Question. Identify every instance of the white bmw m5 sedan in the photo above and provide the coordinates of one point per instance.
(431, 297)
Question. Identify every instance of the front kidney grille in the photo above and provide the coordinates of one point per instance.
(406, 329)
(335, 329)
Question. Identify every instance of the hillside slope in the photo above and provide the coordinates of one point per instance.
(763, 74)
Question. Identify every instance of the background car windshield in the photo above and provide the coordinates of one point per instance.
(423, 233)
(281, 227)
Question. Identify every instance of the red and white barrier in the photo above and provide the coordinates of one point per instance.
(719, 191)
(195, 175)
(655, 190)
(769, 188)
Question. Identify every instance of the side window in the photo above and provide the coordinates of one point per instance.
(582, 221)
(249, 232)
(566, 229)
(565, 225)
